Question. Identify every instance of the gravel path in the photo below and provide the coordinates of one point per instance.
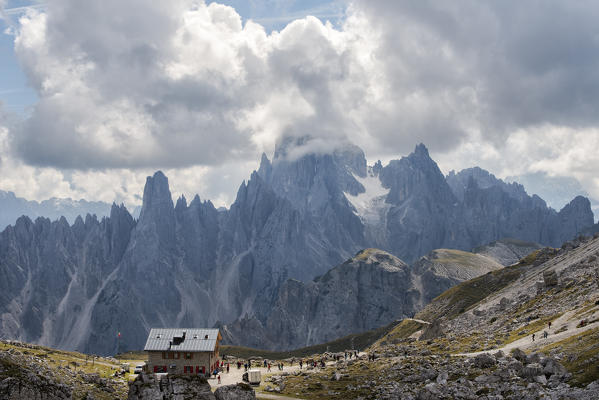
(234, 375)
(526, 342)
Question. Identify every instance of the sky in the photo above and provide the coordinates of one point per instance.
(95, 96)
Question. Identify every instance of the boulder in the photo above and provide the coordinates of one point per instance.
(433, 331)
(531, 370)
(484, 361)
(240, 391)
(550, 278)
(552, 367)
(519, 355)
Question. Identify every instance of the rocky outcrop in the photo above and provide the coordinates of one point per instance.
(370, 290)
(170, 387)
(433, 331)
(181, 387)
(19, 380)
(240, 391)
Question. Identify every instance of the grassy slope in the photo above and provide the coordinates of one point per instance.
(58, 359)
(465, 259)
(402, 331)
(465, 295)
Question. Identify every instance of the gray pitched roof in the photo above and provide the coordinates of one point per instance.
(195, 339)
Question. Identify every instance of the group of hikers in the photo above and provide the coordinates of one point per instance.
(301, 362)
(545, 333)
(248, 364)
(268, 365)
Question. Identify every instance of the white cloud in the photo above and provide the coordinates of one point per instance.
(189, 88)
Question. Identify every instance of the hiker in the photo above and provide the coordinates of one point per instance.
(346, 355)
(268, 367)
(227, 368)
(545, 334)
(549, 324)
(265, 363)
(533, 337)
(301, 362)
(219, 379)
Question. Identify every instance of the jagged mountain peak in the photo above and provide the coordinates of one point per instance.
(415, 175)
(157, 194)
(265, 168)
(478, 177)
(181, 203)
(421, 151)
(579, 201)
(117, 209)
(157, 217)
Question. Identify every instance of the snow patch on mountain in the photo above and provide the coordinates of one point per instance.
(370, 205)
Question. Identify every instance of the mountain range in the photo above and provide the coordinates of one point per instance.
(12, 207)
(74, 286)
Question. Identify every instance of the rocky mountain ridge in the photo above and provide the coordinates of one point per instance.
(370, 290)
(190, 264)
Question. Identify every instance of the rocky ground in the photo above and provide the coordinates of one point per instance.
(410, 371)
(484, 349)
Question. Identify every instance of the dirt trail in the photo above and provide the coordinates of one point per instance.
(526, 342)
(274, 396)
